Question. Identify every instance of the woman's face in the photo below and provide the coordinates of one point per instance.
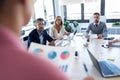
(58, 21)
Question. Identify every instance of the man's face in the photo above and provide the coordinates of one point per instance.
(40, 25)
(96, 18)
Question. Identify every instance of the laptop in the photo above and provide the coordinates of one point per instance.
(106, 68)
(71, 36)
(66, 41)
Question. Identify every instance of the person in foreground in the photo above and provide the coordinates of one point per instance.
(16, 63)
(39, 35)
(97, 27)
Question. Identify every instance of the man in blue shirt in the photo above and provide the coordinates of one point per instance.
(39, 35)
(97, 27)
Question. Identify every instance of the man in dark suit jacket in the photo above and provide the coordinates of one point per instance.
(39, 35)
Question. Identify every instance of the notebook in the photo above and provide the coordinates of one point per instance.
(106, 68)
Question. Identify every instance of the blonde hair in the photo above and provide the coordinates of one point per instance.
(55, 21)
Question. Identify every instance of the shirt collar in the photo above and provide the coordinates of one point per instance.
(97, 23)
(40, 33)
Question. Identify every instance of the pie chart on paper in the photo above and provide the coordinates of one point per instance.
(52, 55)
(65, 55)
(38, 51)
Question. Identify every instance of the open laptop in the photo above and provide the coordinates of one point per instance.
(106, 68)
(71, 36)
(66, 41)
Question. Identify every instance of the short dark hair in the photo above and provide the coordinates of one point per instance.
(40, 19)
(96, 13)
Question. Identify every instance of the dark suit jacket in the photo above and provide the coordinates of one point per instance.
(34, 37)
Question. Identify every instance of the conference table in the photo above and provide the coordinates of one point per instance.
(76, 70)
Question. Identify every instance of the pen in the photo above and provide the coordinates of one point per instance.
(86, 70)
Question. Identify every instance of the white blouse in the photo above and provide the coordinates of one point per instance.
(54, 33)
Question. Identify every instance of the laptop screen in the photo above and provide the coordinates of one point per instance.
(75, 32)
(94, 61)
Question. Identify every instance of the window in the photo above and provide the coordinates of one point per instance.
(73, 11)
(90, 8)
(30, 22)
(112, 10)
(48, 10)
(39, 9)
(44, 9)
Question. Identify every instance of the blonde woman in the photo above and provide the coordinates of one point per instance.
(58, 30)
